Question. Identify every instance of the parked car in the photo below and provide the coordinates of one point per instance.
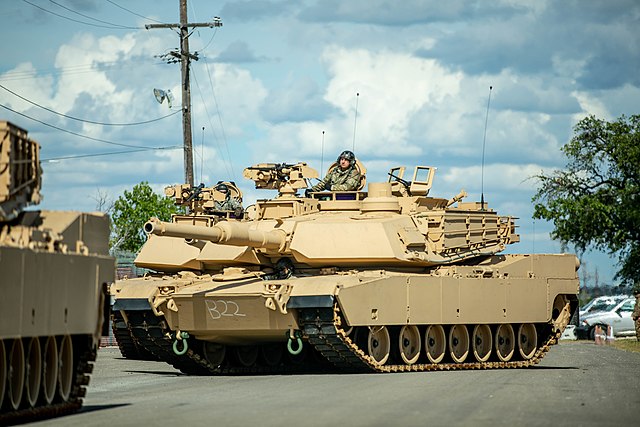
(617, 316)
(603, 303)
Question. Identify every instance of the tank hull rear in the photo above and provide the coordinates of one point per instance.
(52, 311)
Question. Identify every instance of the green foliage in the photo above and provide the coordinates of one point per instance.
(595, 201)
(132, 210)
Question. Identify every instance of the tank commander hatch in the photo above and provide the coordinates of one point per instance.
(229, 203)
(344, 177)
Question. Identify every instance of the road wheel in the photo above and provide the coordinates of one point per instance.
(50, 370)
(482, 342)
(379, 344)
(505, 342)
(527, 340)
(410, 344)
(458, 343)
(435, 343)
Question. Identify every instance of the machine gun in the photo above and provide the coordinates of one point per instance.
(201, 199)
(284, 177)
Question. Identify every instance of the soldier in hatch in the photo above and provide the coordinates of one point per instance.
(229, 203)
(344, 177)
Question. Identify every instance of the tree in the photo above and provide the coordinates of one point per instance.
(595, 202)
(132, 210)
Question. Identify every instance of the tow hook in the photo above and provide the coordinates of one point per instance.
(294, 336)
(182, 336)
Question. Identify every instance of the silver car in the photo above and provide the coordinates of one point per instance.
(603, 303)
(617, 316)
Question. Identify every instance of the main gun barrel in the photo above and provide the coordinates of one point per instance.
(223, 232)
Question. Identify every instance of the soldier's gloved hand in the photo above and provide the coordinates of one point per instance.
(238, 212)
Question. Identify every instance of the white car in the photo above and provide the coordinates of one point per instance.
(604, 303)
(618, 317)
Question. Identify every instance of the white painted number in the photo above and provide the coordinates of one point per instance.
(220, 308)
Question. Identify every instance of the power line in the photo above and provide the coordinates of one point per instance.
(75, 133)
(79, 156)
(112, 26)
(88, 17)
(88, 121)
(133, 13)
(75, 69)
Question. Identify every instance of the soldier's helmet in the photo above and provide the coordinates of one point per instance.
(222, 188)
(348, 155)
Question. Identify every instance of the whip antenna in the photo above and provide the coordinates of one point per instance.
(322, 154)
(202, 154)
(355, 121)
(484, 140)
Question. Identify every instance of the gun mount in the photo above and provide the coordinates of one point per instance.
(201, 200)
(284, 177)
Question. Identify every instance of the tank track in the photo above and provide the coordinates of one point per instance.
(84, 356)
(326, 340)
(154, 335)
(129, 347)
(322, 327)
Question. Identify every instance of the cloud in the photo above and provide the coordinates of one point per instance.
(238, 52)
(254, 10)
(299, 101)
(604, 42)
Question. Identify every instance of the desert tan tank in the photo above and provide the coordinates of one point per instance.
(386, 280)
(54, 270)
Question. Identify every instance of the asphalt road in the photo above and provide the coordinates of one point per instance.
(576, 384)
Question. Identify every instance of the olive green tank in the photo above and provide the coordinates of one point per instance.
(384, 280)
(54, 270)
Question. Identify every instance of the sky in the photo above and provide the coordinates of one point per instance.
(399, 83)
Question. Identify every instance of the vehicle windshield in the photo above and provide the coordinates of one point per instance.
(604, 305)
(628, 305)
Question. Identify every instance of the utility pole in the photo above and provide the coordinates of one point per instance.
(185, 59)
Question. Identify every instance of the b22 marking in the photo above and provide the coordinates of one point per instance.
(221, 308)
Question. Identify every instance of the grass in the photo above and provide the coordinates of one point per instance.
(627, 344)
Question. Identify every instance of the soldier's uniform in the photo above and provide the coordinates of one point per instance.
(228, 204)
(636, 312)
(339, 179)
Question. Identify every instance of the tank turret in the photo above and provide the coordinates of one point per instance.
(381, 227)
(56, 267)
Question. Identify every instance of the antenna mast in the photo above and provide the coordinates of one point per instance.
(484, 139)
(355, 121)
(185, 58)
(322, 154)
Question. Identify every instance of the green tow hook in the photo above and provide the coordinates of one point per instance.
(294, 337)
(183, 337)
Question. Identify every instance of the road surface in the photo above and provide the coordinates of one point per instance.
(576, 384)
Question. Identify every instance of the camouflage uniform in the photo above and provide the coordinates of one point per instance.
(636, 312)
(229, 204)
(339, 180)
